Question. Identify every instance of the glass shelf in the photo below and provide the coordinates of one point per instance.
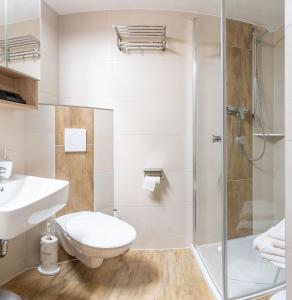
(277, 135)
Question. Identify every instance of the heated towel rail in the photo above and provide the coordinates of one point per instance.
(141, 37)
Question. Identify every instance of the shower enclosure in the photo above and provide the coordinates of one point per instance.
(238, 69)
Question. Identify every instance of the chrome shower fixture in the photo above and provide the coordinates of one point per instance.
(240, 140)
(239, 111)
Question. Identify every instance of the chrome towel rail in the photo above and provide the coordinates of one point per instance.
(141, 37)
(21, 47)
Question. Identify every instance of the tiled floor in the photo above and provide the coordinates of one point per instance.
(138, 275)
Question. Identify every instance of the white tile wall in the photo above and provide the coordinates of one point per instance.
(15, 262)
(151, 96)
(49, 85)
(268, 173)
(103, 161)
(39, 143)
(11, 136)
(159, 224)
(175, 190)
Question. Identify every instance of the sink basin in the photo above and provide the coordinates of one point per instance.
(26, 201)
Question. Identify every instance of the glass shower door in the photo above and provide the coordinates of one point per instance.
(208, 145)
(255, 145)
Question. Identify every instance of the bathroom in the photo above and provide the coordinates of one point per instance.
(149, 149)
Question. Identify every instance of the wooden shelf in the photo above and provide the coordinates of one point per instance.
(24, 85)
(9, 104)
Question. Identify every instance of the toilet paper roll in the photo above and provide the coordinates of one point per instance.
(150, 182)
(49, 256)
(49, 249)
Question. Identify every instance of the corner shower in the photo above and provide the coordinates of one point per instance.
(239, 147)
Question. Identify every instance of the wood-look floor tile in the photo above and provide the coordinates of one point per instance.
(137, 275)
(196, 292)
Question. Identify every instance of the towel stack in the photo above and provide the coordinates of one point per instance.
(271, 244)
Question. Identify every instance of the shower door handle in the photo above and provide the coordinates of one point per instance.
(216, 138)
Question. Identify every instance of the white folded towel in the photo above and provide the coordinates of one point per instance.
(278, 231)
(282, 266)
(275, 234)
(278, 244)
(274, 258)
(262, 241)
(273, 251)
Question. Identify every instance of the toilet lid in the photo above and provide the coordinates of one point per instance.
(100, 231)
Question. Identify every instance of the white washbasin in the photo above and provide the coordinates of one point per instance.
(25, 201)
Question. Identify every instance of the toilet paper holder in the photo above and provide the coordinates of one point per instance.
(157, 172)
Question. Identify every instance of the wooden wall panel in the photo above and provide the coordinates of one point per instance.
(76, 167)
(239, 93)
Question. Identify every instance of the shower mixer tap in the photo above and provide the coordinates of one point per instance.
(239, 111)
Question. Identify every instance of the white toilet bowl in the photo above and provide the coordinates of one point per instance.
(93, 236)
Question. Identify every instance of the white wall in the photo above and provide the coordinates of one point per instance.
(39, 131)
(103, 161)
(30, 138)
(278, 122)
(11, 136)
(151, 96)
(49, 89)
(288, 142)
(23, 250)
(16, 135)
(30, 66)
(208, 156)
(268, 172)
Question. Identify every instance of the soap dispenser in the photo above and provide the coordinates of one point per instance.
(6, 166)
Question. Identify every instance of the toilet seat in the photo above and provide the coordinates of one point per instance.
(93, 236)
(97, 230)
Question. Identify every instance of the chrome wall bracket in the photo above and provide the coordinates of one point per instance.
(153, 172)
(216, 138)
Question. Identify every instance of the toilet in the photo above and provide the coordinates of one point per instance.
(93, 236)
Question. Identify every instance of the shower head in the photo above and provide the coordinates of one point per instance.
(271, 28)
(260, 31)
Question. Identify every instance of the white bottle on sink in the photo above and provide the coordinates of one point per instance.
(6, 166)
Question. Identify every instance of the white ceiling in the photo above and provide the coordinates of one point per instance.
(73, 6)
(260, 12)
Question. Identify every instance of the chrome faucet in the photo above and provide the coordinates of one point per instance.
(3, 170)
(6, 166)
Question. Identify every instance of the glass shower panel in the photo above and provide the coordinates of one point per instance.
(208, 145)
(23, 36)
(3, 29)
(255, 149)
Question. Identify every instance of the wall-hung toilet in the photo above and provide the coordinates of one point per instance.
(93, 236)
